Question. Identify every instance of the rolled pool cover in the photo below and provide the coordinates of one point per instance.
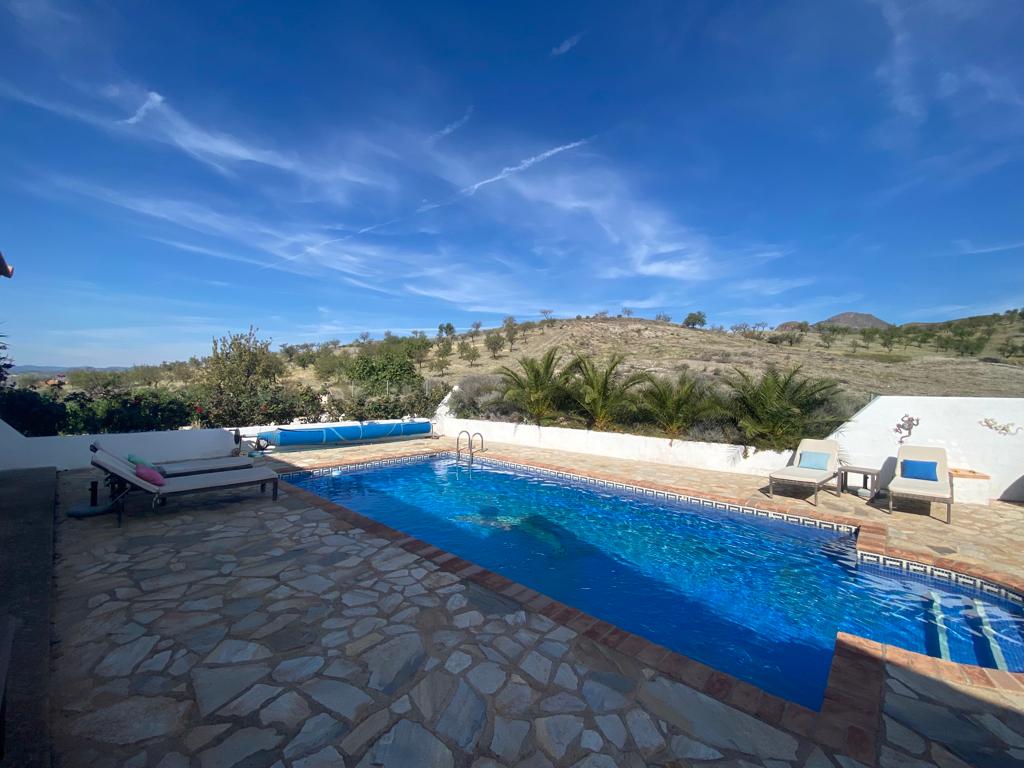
(356, 432)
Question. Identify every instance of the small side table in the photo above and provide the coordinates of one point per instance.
(868, 472)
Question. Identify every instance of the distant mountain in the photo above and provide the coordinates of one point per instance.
(790, 325)
(62, 368)
(855, 320)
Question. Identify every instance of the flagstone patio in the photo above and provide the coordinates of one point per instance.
(227, 630)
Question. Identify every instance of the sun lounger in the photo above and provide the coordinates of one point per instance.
(815, 463)
(939, 490)
(123, 479)
(191, 466)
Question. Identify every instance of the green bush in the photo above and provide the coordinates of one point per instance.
(779, 408)
(32, 414)
(238, 385)
(536, 386)
(675, 406)
(5, 363)
(382, 373)
(603, 395)
(362, 405)
(40, 415)
(144, 411)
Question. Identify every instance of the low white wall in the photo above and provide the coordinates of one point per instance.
(953, 423)
(679, 453)
(72, 451)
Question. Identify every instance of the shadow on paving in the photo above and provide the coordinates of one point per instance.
(930, 719)
(27, 505)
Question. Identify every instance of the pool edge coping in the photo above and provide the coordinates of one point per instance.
(850, 718)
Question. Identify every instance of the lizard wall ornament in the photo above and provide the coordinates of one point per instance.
(1006, 430)
(905, 426)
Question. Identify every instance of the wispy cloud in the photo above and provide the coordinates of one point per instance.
(451, 128)
(567, 45)
(810, 310)
(522, 166)
(46, 26)
(898, 69)
(945, 311)
(623, 236)
(506, 172)
(994, 87)
(153, 119)
(769, 286)
(967, 248)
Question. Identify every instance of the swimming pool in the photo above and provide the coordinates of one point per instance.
(757, 598)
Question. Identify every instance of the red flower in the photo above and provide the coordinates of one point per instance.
(199, 409)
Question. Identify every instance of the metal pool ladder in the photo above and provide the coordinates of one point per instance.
(470, 439)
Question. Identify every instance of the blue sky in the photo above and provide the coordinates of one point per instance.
(175, 171)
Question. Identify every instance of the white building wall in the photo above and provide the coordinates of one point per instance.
(953, 423)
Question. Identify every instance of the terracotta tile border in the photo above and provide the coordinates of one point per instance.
(850, 718)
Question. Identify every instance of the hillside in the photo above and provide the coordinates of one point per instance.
(915, 365)
(651, 345)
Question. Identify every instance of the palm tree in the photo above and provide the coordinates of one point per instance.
(536, 387)
(674, 405)
(603, 395)
(779, 408)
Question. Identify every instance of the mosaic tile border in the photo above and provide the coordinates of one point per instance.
(870, 558)
(941, 574)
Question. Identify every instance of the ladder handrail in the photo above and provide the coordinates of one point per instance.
(469, 444)
(475, 435)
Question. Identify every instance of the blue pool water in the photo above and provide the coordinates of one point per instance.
(760, 599)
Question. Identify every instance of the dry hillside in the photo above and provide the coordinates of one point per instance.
(651, 345)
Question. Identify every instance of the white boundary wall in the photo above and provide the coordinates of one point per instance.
(72, 451)
(660, 450)
(868, 439)
(953, 423)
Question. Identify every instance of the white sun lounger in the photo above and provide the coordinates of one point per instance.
(123, 479)
(191, 466)
(804, 476)
(939, 490)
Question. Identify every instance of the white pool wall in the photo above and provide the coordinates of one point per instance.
(868, 439)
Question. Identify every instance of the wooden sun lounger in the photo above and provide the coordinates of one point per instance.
(123, 479)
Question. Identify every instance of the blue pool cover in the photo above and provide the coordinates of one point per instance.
(345, 433)
(757, 598)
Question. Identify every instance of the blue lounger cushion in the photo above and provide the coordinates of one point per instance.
(919, 470)
(813, 460)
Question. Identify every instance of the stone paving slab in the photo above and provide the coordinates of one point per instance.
(226, 630)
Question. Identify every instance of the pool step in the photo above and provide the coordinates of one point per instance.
(937, 626)
(990, 636)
